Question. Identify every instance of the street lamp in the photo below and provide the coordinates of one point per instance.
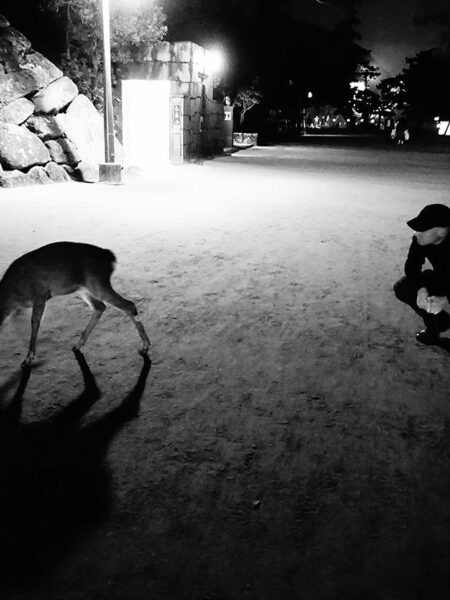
(109, 171)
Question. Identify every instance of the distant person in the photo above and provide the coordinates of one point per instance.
(393, 133)
(428, 291)
(402, 132)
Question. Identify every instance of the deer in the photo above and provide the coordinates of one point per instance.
(59, 269)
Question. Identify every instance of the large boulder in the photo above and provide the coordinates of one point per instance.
(47, 130)
(14, 178)
(57, 173)
(89, 172)
(44, 71)
(38, 175)
(46, 127)
(13, 46)
(63, 152)
(83, 125)
(17, 112)
(55, 97)
(20, 149)
(16, 84)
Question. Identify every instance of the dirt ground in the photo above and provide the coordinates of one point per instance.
(291, 439)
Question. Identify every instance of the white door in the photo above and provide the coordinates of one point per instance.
(146, 126)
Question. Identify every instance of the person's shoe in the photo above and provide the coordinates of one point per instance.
(426, 336)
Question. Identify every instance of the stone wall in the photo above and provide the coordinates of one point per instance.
(186, 66)
(203, 124)
(48, 131)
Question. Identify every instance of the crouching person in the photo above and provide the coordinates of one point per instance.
(427, 291)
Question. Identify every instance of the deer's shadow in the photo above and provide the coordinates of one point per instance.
(55, 484)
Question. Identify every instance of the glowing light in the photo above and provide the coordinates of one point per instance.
(310, 94)
(146, 122)
(443, 128)
(214, 60)
(359, 85)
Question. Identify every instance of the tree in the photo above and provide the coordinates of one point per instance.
(132, 29)
(393, 95)
(246, 99)
(427, 83)
(367, 72)
(364, 102)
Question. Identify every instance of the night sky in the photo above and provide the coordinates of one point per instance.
(387, 26)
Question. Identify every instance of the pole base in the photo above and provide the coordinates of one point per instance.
(110, 173)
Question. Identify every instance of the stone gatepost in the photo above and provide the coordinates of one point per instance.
(196, 121)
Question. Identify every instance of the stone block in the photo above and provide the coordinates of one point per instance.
(182, 52)
(83, 125)
(17, 111)
(14, 41)
(198, 58)
(56, 96)
(16, 84)
(57, 173)
(38, 175)
(180, 72)
(163, 52)
(160, 70)
(63, 151)
(13, 178)
(46, 127)
(19, 148)
(44, 71)
(9, 61)
(179, 88)
(88, 172)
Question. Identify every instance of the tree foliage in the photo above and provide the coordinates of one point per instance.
(427, 83)
(422, 90)
(132, 29)
(393, 95)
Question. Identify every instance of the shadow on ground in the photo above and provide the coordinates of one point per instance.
(54, 479)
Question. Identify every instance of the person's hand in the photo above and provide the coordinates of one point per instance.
(422, 299)
(435, 304)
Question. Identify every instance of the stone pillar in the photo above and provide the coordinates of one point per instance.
(228, 126)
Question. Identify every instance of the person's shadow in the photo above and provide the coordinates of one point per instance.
(54, 480)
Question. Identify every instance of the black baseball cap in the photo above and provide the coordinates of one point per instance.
(433, 215)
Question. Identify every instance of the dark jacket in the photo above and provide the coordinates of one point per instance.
(439, 257)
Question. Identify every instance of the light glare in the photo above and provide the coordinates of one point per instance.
(215, 61)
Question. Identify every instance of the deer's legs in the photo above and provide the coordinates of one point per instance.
(36, 317)
(112, 297)
(98, 308)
